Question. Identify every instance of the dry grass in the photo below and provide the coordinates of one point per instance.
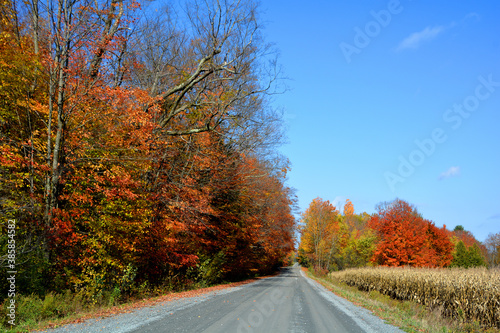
(464, 295)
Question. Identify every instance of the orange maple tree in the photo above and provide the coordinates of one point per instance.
(122, 168)
(405, 238)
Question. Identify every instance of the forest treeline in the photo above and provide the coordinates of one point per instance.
(396, 235)
(137, 146)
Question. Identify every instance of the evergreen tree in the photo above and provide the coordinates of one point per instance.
(467, 257)
(475, 257)
(460, 256)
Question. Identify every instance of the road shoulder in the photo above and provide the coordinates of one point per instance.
(363, 317)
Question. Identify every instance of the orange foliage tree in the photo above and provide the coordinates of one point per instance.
(405, 238)
(320, 238)
(128, 160)
(358, 246)
(331, 241)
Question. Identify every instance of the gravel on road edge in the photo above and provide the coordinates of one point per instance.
(365, 319)
(96, 321)
(135, 316)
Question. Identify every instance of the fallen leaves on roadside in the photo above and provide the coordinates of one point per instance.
(129, 307)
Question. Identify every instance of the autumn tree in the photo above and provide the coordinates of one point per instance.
(460, 234)
(140, 149)
(359, 241)
(55, 56)
(227, 216)
(212, 73)
(492, 244)
(319, 234)
(80, 35)
(406, 238)
(207, 91)
(348, 210)
(264, 211)
(21, 166)
(340, 240)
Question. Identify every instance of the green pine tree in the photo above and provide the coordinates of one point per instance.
(460, 255)
(471, 257)
(475, 257)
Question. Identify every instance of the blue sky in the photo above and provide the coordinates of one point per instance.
(393, 99)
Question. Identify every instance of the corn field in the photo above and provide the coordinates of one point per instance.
(465, 295)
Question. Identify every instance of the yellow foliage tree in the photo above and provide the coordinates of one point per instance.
(320, 225)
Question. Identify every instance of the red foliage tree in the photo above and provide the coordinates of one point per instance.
(119, 163)
(405, 238)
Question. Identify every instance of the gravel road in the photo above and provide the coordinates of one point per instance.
(289, 302)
